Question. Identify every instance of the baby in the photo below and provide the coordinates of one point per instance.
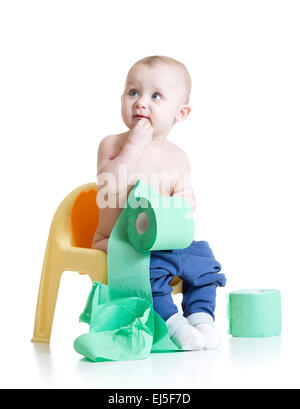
(155, 97)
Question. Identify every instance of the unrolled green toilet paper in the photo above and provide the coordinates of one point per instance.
(254, 313)
(123, 324)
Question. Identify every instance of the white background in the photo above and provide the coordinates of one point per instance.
(63, 66)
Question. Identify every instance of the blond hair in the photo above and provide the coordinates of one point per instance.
(161, 59)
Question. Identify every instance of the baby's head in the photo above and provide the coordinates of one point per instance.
(158, 88)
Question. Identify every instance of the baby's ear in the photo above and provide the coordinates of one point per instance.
(183, 113)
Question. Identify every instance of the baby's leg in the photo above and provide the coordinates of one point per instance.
(162, 271)
(100, 242)
(163, 266)
(200, 279)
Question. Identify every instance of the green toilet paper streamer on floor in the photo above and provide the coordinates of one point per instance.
(254, 313)
(123, 324)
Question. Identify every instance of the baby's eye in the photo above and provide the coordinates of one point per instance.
(133, 93)
(157, 96)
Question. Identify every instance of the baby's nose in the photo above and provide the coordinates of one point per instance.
(141, 102)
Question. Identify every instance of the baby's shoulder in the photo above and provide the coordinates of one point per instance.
(113, 139)
(178, 157)
(176, 150)
(113, 142)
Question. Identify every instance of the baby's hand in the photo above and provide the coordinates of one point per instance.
(141, 134)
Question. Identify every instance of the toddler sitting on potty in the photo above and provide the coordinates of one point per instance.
(155, 97)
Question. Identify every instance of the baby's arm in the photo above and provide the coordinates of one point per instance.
(183, 186)
(111, 158)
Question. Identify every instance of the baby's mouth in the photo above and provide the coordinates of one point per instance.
(141, 116)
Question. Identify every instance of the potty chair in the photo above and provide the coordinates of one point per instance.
(69, 249)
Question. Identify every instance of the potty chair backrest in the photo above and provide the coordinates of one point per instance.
(84, 218)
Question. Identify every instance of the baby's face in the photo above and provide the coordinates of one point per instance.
(156, 92)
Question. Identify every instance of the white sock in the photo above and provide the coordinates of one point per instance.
(183, 334)
(204, 323)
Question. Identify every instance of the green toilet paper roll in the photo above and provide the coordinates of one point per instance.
(123, 324)
(159, 222)
(254, 313)
(166, 223)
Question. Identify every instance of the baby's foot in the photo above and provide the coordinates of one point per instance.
(205, 325)
(183, 334)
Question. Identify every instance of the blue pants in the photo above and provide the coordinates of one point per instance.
(199, 271)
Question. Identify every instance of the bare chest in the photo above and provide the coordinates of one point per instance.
(158, 168)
